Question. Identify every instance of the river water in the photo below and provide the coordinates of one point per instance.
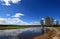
(26, 33)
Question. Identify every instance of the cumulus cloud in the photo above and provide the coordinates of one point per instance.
(16, 21)
(18, 15)
(2, 20)
(8, 2)
(10, 21)
(34, 23)
(15, 1)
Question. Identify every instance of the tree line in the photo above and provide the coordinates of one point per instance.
(49, 21)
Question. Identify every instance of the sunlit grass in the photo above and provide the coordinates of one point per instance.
(11, 27)
(4, 27)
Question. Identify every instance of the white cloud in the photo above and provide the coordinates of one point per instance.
(34, 23)
(15, 1)
(2, 20)
(18, 15)
(10, 21)
(16, 21)
(8, 2)
(5, 2)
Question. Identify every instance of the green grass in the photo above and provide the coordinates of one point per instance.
(11, 27)
(4, 27)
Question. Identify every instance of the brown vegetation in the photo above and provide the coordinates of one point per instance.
(48, 35)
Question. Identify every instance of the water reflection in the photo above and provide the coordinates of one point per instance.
(26, 33)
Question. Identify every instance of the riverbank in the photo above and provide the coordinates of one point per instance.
(48, 35)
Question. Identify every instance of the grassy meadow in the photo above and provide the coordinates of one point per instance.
(4, 27)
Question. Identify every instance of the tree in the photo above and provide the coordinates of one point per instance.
(42, 24)
(52, 21)
(57, 22)
(47, 21)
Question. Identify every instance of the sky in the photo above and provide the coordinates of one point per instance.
(28, 12)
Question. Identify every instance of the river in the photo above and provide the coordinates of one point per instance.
(25, 33)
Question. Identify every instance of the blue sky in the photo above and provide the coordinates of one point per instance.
(28, 11)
